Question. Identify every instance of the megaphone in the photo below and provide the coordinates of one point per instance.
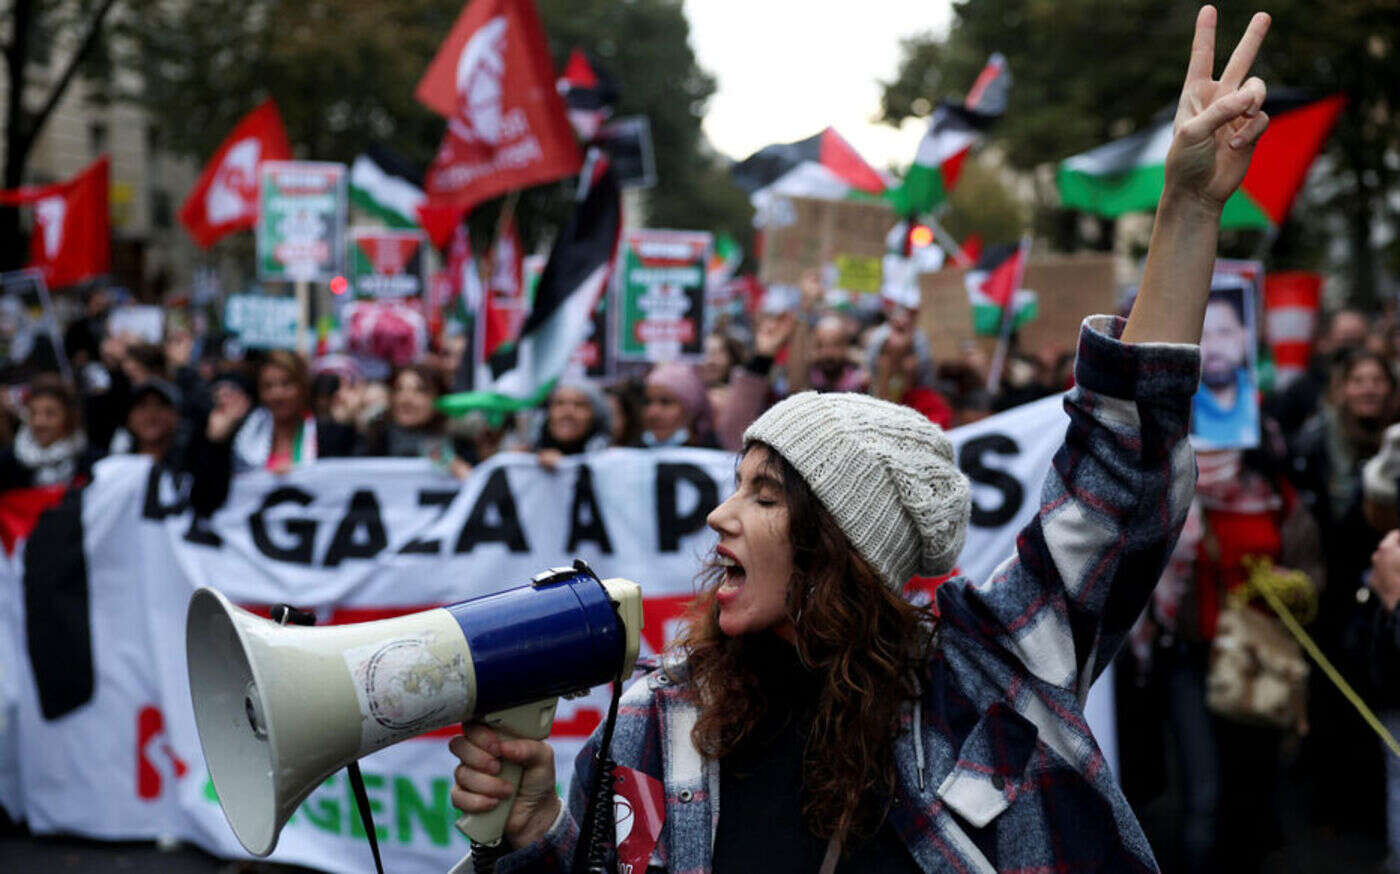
(280, 708)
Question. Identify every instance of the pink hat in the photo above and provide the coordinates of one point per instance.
(685, 383)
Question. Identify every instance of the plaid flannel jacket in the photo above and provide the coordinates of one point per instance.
(997, 770)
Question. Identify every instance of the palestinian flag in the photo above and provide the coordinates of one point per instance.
(574, 278)
(41, 527)
(1127, 175)
(952, 132)
(824, 162)
(992, 289)
(387, 187)
(504, 304)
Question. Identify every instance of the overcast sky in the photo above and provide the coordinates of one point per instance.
(788, 69)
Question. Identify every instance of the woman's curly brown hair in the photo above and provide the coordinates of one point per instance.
(866, 643)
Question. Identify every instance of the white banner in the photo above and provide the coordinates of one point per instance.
(365, 539)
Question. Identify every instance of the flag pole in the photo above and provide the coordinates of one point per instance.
(945, 239)
(303, 298)
(1008, 317)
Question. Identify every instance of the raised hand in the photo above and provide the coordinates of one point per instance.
(1218, 121)
(230, 406)
(773, 333)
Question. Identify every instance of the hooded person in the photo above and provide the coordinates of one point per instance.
(810, 718)
(578, 419)
(677, 409)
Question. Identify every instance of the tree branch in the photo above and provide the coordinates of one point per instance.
(89, 39)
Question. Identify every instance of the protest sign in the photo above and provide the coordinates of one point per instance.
(386, 263)
(261, 321)
(661, 295)
(856, 273)
(1225, 410)
(145, 322)
(628, 144)
(29, 335)
(1292, 299)
(821, 232)
(1068, 288)
(301, 220)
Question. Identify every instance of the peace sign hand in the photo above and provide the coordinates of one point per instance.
(1217, 122)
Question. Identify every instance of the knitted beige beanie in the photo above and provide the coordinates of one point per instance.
(884, 471)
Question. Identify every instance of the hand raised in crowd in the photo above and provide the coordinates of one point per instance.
(230, 406)
(1218, 121)
(773, 333)
(1385, 570)
(812, 291)
(478, 789)
(178, 348)
(112, 350)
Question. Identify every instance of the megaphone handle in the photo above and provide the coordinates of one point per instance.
(531, 721)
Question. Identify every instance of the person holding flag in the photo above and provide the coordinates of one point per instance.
(842, 727)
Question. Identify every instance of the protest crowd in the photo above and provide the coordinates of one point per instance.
(1233, 745)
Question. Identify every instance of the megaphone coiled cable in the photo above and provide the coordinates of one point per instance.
(597, 834)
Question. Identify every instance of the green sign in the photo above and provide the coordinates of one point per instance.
(262, 322)
(661, 315)
(301, 220)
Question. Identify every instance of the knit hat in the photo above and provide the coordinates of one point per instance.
(883, 471)
(683, 381)
(1379, 475)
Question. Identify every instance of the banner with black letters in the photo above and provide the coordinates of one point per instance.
(357, 540)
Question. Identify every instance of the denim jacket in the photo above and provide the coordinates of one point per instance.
(996, 767)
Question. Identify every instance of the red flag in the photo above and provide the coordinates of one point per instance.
(505, 293)
(439, 222)
(1001, 282)
(225, 198)
(1285, 152)
(70, 242)
(506, 127)
(20, 510)
(971, 249)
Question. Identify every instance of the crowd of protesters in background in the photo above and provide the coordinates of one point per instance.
(1318, 494)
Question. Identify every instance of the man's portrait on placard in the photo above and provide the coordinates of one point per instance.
(1225, 411)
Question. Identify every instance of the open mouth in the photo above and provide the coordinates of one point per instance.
(734, 574)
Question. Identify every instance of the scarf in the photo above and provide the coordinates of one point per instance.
(253, 443)
(678, 438)
(53, 464)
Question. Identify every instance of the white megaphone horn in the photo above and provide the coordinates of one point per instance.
(280, 708)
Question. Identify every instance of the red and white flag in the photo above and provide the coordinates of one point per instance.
(1291, 300)
(225, 198)
(506, 126)
(639, 812)
(505, 294)
(70, 242)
